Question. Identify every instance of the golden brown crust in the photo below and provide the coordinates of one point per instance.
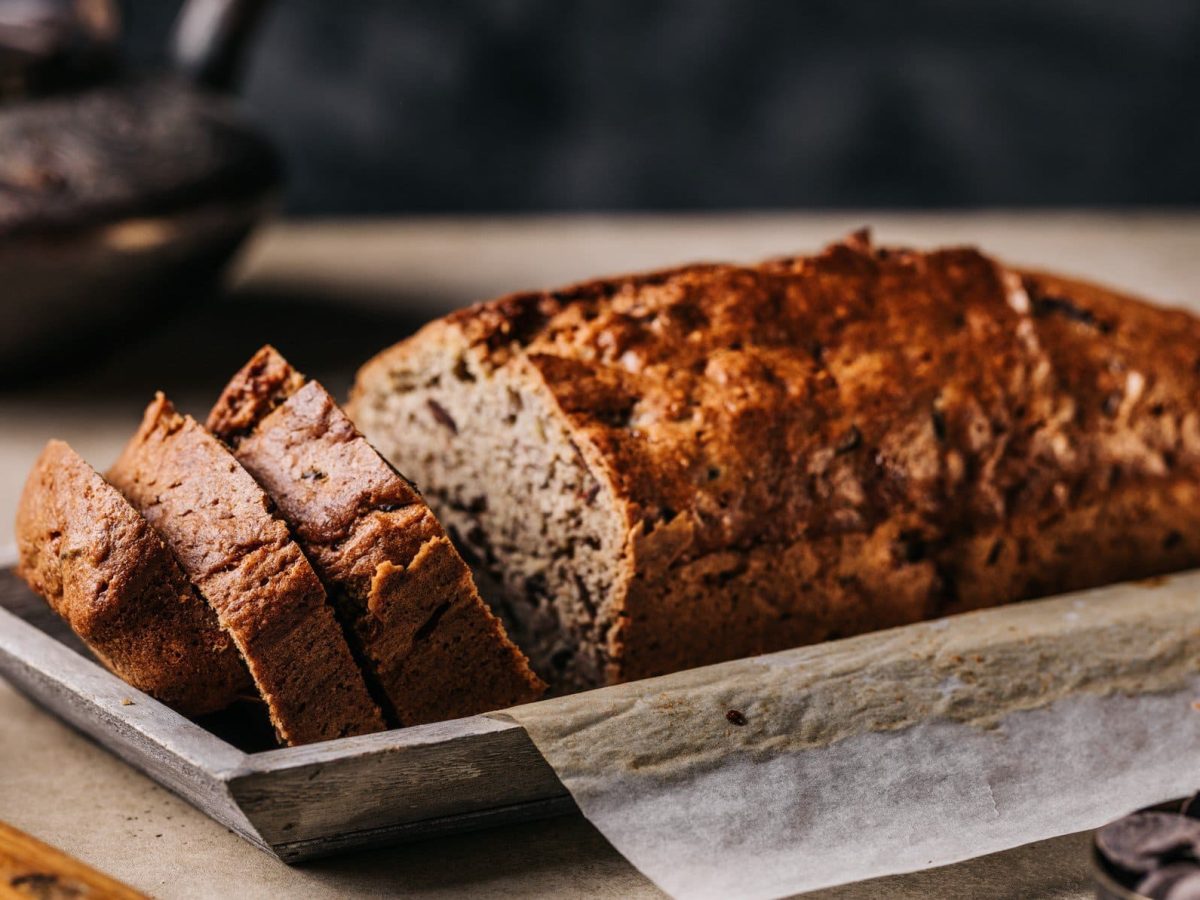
(758, 366)
(410, 607)
(243, 561)
(104, 570)
(820, 441)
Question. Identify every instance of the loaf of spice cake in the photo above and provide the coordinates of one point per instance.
(671, 469)
(430, 648)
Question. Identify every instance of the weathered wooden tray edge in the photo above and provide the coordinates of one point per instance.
(296, 803)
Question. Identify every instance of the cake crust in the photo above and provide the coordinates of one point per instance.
(818, 446)
(100, 566)
(242, 559)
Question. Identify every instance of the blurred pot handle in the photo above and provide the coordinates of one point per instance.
(212, 37)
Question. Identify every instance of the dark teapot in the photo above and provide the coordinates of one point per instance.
(122, 194)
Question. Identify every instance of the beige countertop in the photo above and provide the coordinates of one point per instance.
(329, 295)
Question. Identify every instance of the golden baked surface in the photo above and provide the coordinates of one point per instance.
(822, 445)
(936, 382)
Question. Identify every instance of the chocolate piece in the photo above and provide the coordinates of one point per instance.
(1145, 841)
(1191, 806)
(1178, 881)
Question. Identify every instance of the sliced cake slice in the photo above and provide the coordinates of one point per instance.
(100, 566)
(241, 558)
(431, 647)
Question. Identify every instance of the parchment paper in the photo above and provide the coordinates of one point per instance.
(894, 751)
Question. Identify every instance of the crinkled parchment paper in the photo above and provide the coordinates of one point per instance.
(893, 751)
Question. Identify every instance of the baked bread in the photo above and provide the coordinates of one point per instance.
(240, 557)
(430, 647)
(673, 469)
(104, 570)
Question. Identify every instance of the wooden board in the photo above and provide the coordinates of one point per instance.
(29, 868)
(296, 802)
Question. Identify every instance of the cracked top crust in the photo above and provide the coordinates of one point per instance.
(941, 383)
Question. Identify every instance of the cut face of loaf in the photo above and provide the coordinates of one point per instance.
(430, 646)
(673, 469)
(104, 570)
(500, 468)
(241, 558)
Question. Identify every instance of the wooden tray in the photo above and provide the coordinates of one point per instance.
(298, 802)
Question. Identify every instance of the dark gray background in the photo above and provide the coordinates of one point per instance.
(399, 106)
